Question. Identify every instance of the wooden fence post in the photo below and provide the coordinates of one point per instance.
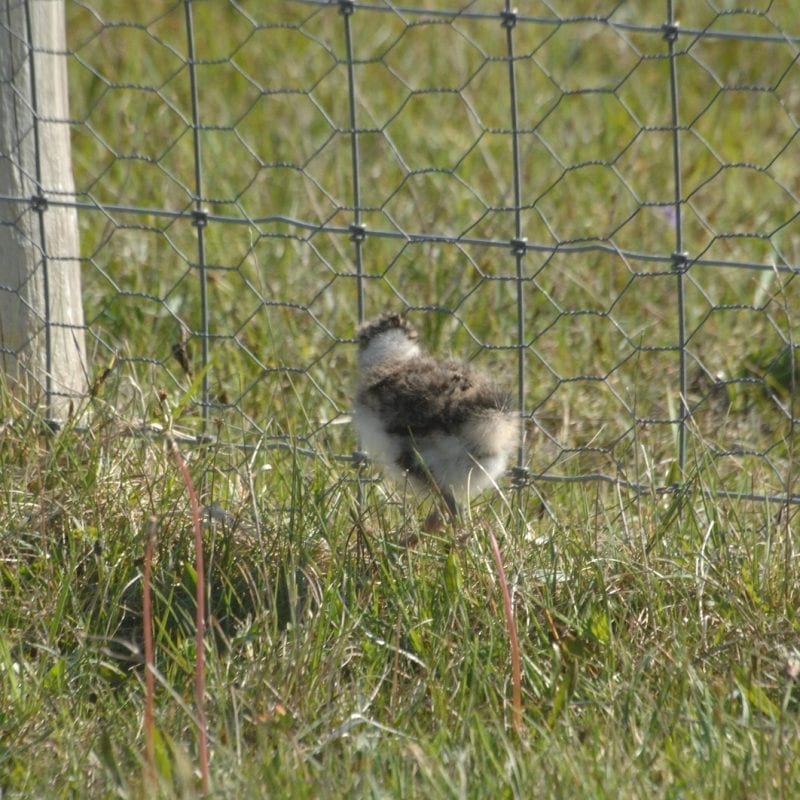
(42, 343)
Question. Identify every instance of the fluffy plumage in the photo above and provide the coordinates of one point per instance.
(441, 422)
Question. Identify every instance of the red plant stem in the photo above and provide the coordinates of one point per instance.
(516, 670)
(149, 679)
(200, 618)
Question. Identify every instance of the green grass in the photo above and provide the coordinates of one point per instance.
(658, 637)
(348, 653)
(435, 158)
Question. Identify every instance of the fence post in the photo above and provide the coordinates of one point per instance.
(42, 342)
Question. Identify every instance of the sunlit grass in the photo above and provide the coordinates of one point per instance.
(435, 159)
(657, 633)
(348, 653)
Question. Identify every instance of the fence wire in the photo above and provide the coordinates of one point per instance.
(597, 200)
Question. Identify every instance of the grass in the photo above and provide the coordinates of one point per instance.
(658, 638)
(347, 653)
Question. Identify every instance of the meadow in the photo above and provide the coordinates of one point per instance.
(347, 653)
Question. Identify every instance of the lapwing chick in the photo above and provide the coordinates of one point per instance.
(441, 423)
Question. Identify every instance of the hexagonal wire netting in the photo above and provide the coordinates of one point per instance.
(597, 202)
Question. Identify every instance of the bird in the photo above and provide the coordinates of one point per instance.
(439, 422)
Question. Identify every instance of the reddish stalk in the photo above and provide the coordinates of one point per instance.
(516, 670)
(200, 619)
(149, 678)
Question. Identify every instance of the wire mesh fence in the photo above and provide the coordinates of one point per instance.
(596, 200)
